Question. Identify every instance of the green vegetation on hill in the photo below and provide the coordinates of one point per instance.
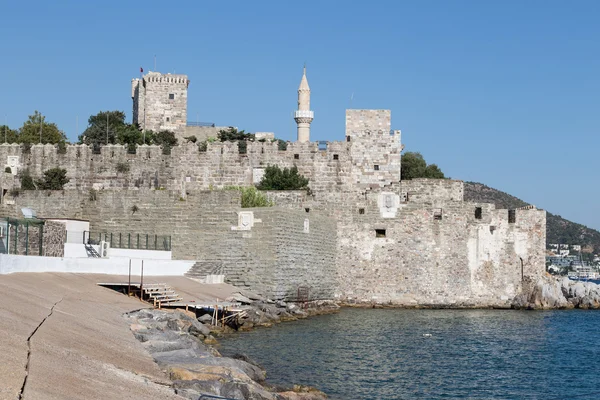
(558, 229)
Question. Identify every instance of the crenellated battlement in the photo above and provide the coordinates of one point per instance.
(157, 77)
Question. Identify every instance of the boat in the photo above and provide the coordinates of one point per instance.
(583, 272)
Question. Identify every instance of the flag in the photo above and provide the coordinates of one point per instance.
(141, 69)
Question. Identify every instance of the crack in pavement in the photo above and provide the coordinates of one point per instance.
(22, 391)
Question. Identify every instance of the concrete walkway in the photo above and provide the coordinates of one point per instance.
(64, 337)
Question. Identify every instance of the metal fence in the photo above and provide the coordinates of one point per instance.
(138, 241)
(21, 236)
(194, 123)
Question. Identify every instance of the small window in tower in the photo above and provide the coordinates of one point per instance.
(307, 209)
(376, 167)
(171, 96)
(437, 214)
(347, 138)
(336, 157)
(361, 211)
(512, 216)
(478, 213)
(380, 233)
(296, 156)
(168, 119)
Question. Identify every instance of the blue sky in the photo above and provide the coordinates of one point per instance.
(505, 93)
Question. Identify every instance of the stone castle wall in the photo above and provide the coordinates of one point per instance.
(436, 251)
(160, 101)
(278, 254)
(331, 169)
(371, 237)
(375, 149)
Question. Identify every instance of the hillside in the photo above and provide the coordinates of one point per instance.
(558, 229)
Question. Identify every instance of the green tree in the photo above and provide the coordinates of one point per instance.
(276, 178)
(54, 179)
(8, 135)
(166, 140)
(414, 166)
(96, 132)
(130, 136)
(27, 182)
(233, 135)
(35, 126)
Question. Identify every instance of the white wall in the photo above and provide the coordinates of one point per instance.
(74, 228)
(145, 254)
(117, 266)
(77, 250)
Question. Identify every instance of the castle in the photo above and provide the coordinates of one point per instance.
(361, 234)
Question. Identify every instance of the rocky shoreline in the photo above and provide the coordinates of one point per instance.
(181, 345)
(551, 292)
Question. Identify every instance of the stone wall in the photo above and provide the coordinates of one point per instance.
(330, 169)
(160, 101)
(275, 253)
(410, 242)
(53, 239)
(284, 249)
(202, 133)
(375, 150)
(437, 251)
(432, 190)
(153, 212)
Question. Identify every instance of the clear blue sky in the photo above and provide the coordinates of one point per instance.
(505, 93)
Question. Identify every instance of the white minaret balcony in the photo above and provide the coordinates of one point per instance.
(304, 114)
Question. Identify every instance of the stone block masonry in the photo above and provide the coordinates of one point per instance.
(437, 249)
(359, 234)
(160, 101)
(369, 161)
(283, 250)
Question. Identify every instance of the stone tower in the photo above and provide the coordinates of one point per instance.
(303, 115)
(160, 101)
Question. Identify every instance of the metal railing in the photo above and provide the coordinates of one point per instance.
(136, 241)
(194, 123)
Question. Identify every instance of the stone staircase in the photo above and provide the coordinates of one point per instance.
(201, 269)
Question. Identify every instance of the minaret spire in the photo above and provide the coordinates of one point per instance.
(303, 116)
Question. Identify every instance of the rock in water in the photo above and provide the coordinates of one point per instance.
(551, 292)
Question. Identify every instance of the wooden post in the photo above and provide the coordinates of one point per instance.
(27, 240)
(129, 284)
(142, 282)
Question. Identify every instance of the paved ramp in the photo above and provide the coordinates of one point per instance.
(80, 346)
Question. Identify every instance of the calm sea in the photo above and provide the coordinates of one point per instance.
(471, 354)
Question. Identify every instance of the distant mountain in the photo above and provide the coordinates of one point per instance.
(558, 229)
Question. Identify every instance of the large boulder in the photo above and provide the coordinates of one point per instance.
(550, 293)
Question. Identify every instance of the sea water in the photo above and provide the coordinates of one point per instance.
(433, 354)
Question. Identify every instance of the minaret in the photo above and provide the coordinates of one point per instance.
(303, 115)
